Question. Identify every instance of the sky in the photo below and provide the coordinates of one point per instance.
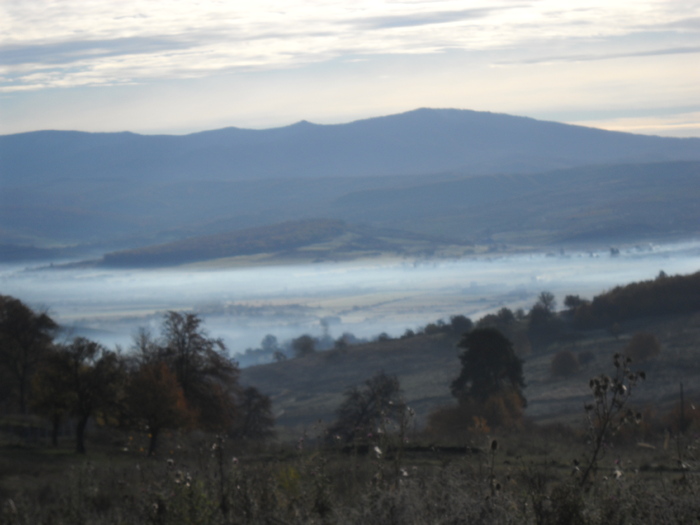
(174, 67)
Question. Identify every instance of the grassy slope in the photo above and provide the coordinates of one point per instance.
(308, 389)
(307, 240)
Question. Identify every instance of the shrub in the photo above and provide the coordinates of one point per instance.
(642, 346)
(564, 364)
(471, 417)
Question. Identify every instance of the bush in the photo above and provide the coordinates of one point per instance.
(642, 346)
(471, 417)
(564, 364)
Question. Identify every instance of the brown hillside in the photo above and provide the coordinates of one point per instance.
(309, 389)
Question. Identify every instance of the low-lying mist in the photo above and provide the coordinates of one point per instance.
(364, 298)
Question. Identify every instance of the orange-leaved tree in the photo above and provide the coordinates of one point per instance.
(155, 400)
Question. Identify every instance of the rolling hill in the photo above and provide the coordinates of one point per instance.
(309, 389)
(306, 240)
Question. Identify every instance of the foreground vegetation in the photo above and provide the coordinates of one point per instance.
(175, 437)
(529, 475)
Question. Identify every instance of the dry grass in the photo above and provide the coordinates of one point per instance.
(527, 478)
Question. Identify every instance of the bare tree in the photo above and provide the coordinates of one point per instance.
(364, 407)
(255, 420)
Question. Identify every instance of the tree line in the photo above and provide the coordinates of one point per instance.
(182, 379)
(661, 296)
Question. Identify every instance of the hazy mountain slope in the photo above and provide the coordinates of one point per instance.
(421, 141)
(606, 203)
(591, 205)
(138, 213)
(122, 190)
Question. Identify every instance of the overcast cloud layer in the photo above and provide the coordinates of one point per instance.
(181, 66)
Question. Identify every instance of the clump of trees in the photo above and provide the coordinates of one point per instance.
(192, 382)
(183, 379)
(661, 296)
(81, 380)
(303, 346)
(544, 325)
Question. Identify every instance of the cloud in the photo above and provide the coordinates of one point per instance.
(136, 41)
(70, 51)
(604, 56)
(419, 19)
(674, 125)
(692, 23)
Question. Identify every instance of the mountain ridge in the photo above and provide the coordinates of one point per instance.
(124, 190)
(417, 142)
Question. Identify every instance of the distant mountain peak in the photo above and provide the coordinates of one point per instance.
(303, 124)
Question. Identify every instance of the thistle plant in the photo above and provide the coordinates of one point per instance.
(609, 412)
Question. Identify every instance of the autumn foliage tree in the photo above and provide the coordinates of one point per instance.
(201, 367)
(488, 388)
(155, 400)
(182, 379)
(209, 379)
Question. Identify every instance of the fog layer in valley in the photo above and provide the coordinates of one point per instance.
(242, 305)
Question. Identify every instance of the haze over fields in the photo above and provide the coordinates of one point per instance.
(365, 298)
(271, 221)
